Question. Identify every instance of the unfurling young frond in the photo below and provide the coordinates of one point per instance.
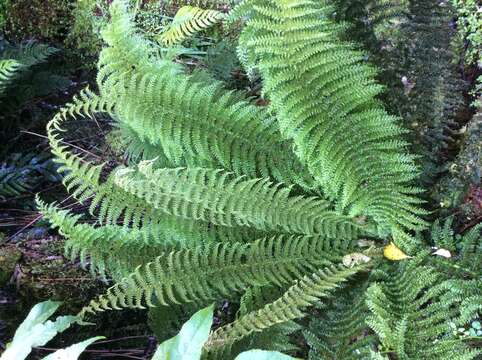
(188, 21)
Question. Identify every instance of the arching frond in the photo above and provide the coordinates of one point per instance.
(206, 272)
(118, 250)
(325, 98)
(218, 197)
(188, 21)
(290, 306)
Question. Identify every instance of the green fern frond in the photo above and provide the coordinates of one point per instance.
(218, 197)
(116, 250)
(465, 250)
(206, 272)
(290, 306)
(14, 180)
(188, 21)
(412, 307)
(325, 98)
(84, 179)
(112, 203)
(242, 138)
(15, 60)
(29, 54)
(21, 173)
(278, 337)
(340, 331)
(202, 124)
(126, 142)
(8, 69)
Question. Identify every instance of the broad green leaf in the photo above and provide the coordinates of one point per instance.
(72, 352)
(188, 344)
(39, 314)
(262, 355)
(36, 331)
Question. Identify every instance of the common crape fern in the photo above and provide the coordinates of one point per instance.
(325, 100)
(231, 195)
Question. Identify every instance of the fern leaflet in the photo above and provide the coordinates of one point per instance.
(188, 21)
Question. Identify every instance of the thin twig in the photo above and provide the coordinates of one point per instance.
(37, 218)
(64, 142)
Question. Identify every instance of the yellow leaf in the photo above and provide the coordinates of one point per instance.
(392, 252)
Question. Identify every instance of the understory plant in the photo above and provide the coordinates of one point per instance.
(283, 206)
(36, 330)
(25, 77)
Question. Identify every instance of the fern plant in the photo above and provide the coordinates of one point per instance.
(15, 60)
(222, 195)
(413, 308)
(409, 310)
(425, 84)
(21, 80)
(455, 189)
(25, 76)
(341, 331)
(21, 173)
